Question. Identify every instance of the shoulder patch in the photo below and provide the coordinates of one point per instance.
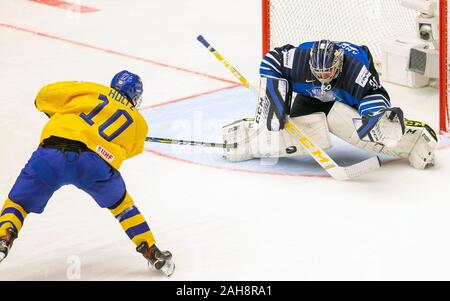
(348, 48)
(363, 77)
(288, 58)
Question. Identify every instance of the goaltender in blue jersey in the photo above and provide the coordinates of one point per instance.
(327, 87)
(354, 81)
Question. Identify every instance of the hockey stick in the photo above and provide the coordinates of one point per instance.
(319, 155)
(188, 142)
(227, 65)
(324, 160)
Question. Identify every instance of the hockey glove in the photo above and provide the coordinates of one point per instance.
(386, 127)
(274, 103)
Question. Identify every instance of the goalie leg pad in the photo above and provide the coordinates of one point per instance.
(238, 132)
(270, 144)
(417, 144)
(340, 121)
(315, 127)
(258, 142)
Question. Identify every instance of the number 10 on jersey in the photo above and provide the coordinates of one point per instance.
(108, 122)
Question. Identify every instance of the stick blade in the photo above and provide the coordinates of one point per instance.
(361, 168)
(353, 171)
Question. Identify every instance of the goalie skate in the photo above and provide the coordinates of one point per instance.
(158, 260)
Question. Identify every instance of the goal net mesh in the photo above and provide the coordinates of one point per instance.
(365, 22)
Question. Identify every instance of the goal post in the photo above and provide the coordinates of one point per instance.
(265, 26)
(444, 66)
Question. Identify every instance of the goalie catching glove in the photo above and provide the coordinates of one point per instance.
(386, 127)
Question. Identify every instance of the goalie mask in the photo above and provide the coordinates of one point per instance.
(326, 59)
(130, 85)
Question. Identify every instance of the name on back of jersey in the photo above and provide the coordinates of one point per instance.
(120, 98)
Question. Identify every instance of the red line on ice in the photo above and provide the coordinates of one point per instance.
(114, 52)
(67, 6)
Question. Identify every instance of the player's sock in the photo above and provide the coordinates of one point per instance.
(12, 216)
(137, 229)
(133, 222)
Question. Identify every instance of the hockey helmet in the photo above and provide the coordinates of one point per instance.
(130, 85)
(326, 59)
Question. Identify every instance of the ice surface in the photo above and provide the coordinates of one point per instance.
(391, 224)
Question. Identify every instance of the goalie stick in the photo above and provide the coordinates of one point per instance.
(211, 49)
(319, 155)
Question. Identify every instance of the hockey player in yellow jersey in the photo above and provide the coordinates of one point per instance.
(91, 130)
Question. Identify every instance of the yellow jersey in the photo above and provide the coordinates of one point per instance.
(96, 115)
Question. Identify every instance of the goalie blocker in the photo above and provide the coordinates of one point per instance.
(264, 136)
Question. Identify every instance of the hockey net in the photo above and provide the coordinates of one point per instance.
(444, 66)
(365, 22)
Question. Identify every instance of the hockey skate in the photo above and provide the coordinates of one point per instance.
(6, 242)
(158, 260)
